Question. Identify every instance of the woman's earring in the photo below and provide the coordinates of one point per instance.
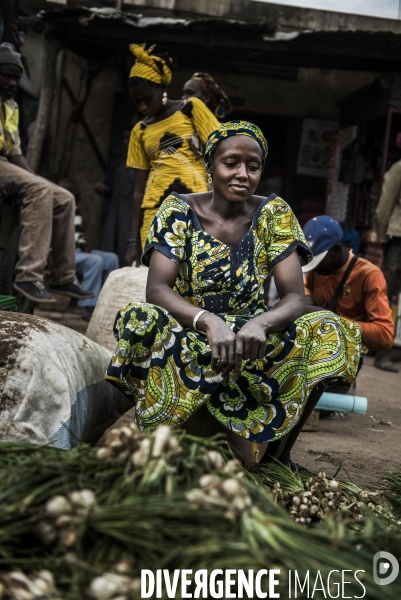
(210, 181)
(164, 98)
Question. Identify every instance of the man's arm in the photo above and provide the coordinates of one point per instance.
(20, 161)
(309, 289)
(390, 193)
(378, 329)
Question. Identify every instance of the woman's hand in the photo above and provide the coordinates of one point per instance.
(250, 343)
(102, 189)
(221, 341)
(133, 256)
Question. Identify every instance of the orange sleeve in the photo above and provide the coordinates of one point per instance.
(309, 284)
(378, 329)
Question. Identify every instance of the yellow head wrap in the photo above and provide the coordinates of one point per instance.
(154, 67)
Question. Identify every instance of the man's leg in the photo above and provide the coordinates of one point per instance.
(90, 267)
(110, 262)
(63, 279)
(36, 199)
(392, 274)
(63, 236)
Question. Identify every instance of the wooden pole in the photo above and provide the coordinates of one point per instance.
(86, 128)
(37, 129)
(55, 114)
(89, 70)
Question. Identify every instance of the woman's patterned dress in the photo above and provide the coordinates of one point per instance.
(165, 369)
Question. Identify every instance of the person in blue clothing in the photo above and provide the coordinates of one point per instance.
(92, 266)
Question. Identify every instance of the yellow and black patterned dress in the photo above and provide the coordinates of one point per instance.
(165, 369)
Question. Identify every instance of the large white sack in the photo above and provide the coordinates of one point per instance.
(52, 378)
(122, 287)
(18, 431)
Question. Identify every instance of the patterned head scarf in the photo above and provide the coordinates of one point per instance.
(219, 101)
(153, 67)
(235, 128)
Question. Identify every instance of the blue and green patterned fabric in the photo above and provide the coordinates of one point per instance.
(165, 369)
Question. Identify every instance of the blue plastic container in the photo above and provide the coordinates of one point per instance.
(342, 403)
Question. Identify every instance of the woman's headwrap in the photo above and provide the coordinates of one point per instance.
(219, 101)
(153, 67)
(235, 128)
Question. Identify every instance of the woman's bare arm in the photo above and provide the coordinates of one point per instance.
(134, 252)
(290, 287)
(159, 289)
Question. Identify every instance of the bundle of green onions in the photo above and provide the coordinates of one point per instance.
(83, 523)
(309, 499)
(391, 481)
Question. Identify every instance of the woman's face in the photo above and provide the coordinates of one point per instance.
(236, 168)
(147, 99)
(193, 89)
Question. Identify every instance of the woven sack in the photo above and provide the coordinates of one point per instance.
(52, 383)
(122, 287)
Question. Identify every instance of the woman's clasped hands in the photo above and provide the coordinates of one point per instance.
(229, 349)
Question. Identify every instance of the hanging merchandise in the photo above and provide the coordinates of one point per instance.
(337, 190)
(353, 164)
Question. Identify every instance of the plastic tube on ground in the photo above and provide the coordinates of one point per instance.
(342, 403)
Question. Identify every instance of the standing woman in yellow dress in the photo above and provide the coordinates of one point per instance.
(164, 148)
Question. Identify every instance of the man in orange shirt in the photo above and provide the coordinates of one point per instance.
(360, 296)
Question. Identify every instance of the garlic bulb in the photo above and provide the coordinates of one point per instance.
(234, 467)
(112, 585)
(215, 459)
(161, 435)
(57, 506)
(64, 513)
(82, 499)
(40, 585)
(228, 495)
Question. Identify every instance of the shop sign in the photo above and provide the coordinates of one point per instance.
(315, 148)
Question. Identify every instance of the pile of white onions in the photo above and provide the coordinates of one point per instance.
(129, 440)
(38, 586)
(228, 495)
(62, 513)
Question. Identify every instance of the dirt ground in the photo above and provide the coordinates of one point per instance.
(364, 445)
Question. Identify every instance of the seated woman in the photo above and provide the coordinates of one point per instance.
(205, 338)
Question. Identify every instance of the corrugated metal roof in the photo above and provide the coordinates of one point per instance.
(87, 16)
(105, 31)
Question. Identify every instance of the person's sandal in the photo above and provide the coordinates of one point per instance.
(386, 365)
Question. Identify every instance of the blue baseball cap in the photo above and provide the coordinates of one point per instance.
(321, 233)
